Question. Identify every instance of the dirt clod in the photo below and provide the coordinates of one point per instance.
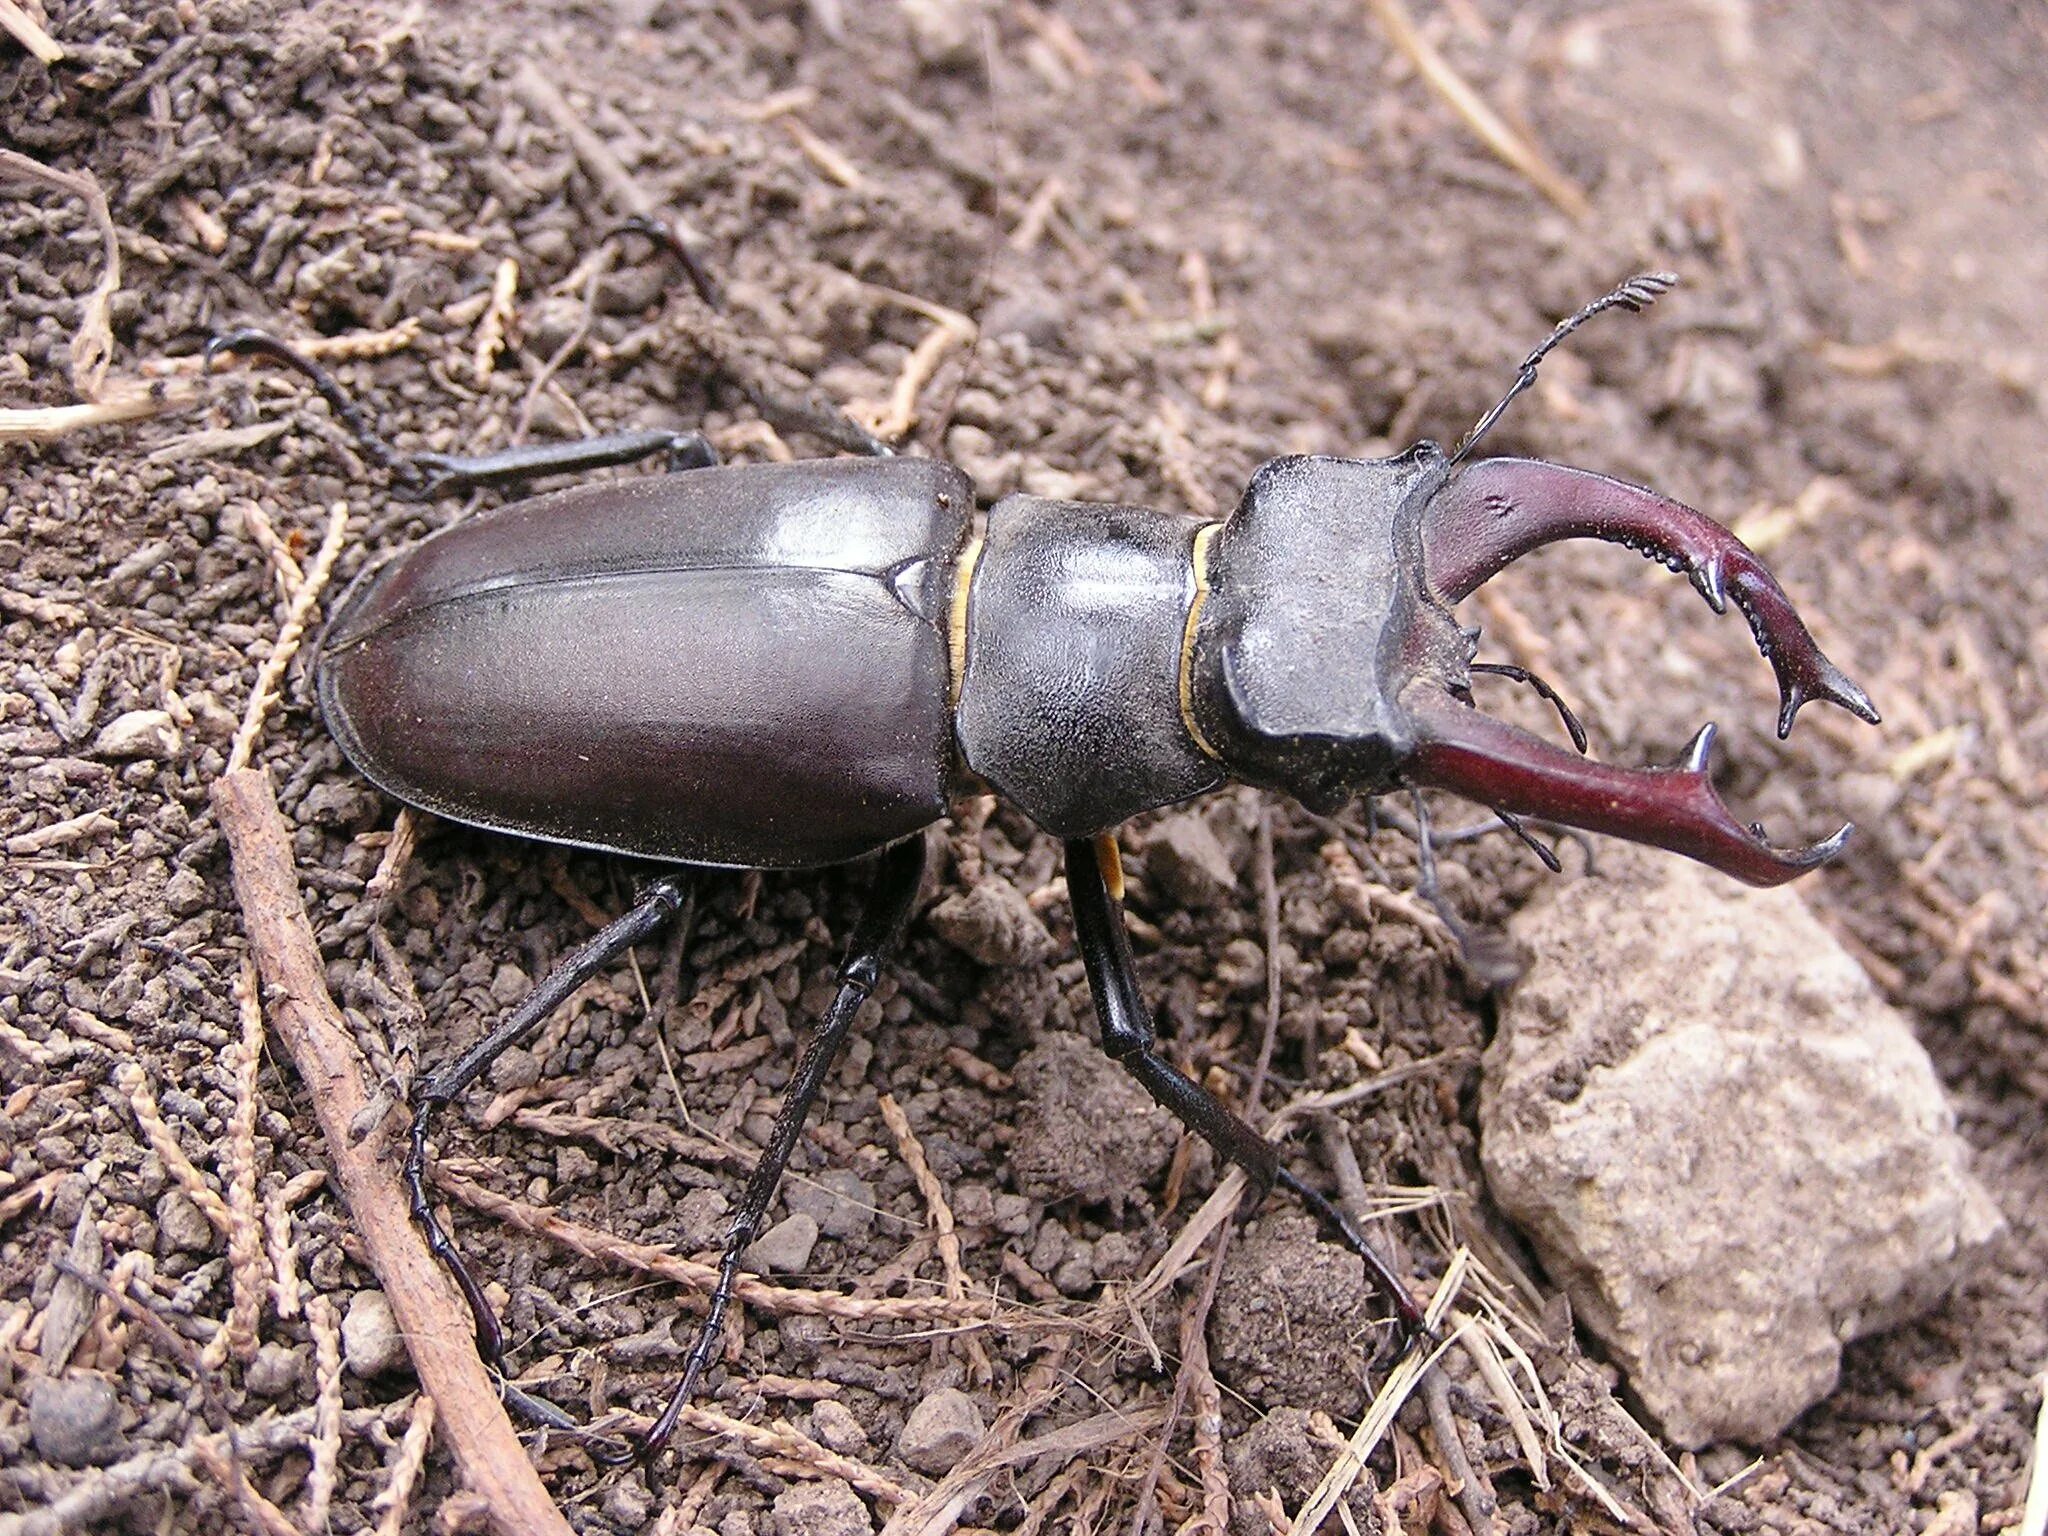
(1294, 1320)
(1085, 1130)
(992, 923)
(827, 1508)
(75, 1421)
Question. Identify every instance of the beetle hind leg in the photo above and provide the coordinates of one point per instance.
(1128, 1037)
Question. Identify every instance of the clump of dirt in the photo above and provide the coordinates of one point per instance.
(1295, 1320)
(1085, 1130)
(1191, 244)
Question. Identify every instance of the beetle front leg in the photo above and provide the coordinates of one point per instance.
(1128, 1037)
(875, 938)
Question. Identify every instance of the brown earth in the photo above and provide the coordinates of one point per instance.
(1194, 236)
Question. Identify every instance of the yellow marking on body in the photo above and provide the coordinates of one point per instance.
(956, 620)
(1111, 863)
(1204, 537)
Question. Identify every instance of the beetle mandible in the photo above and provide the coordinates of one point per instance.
(796, 665)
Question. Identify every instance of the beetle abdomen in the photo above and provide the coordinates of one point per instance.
(743, 666)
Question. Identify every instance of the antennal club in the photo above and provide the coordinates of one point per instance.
(1635, 296)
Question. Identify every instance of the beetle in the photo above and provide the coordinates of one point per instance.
(797, 665)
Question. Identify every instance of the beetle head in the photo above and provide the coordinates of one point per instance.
(1324, 660)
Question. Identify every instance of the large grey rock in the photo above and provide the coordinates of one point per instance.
(1728, 1149)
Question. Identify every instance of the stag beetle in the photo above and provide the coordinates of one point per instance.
(796, 665)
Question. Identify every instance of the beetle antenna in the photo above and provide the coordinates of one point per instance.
(1635, 296)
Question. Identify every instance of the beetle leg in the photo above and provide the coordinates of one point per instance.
(1128, 1037)
(441, 473)
(875, 938)
(662, 900)
(1499, 509)
(1673, 807)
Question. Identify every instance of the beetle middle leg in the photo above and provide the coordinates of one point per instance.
(1128, 1037)
(875, 938)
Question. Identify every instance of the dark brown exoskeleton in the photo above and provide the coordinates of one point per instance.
(796, 665)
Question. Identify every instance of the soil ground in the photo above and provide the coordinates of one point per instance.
(1193, 236)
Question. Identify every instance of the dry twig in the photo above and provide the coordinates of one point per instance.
(1513, 147)
(29, 32)
(431, 1315)
(947, 1240)
(288, 638)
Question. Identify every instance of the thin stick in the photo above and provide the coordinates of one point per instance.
(1504, 141)
(775, 1300)
(431, 1315)
(29, 33)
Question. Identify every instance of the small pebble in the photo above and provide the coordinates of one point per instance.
(75, 1421)
(834, 1427)
(827, 1508)
(839, 1200)
(1186, 859)
(370, 1340)
(181, 1226)
(992, 922)
(273, 1372)
(940, 1430)
(627, 1504)
(785, 1248)
(185, 893)
(141, 733)
(700, 1220)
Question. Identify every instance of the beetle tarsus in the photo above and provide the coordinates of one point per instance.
(875, 938)
(663, 234)
(1128, 1038)
(657, 906)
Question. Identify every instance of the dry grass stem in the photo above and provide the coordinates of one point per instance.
(325, 1441)
(1511, 146)
(834, 165)
(794, 1450)
(119, 400)
(395, 1498)
(431, 1316)
(28, 32)
(775, 1300)
(288, 638)
(92, 345)
(263, 1517)
(249, 1280)
(497, 319)
(130, 1078)
(941, 1214)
